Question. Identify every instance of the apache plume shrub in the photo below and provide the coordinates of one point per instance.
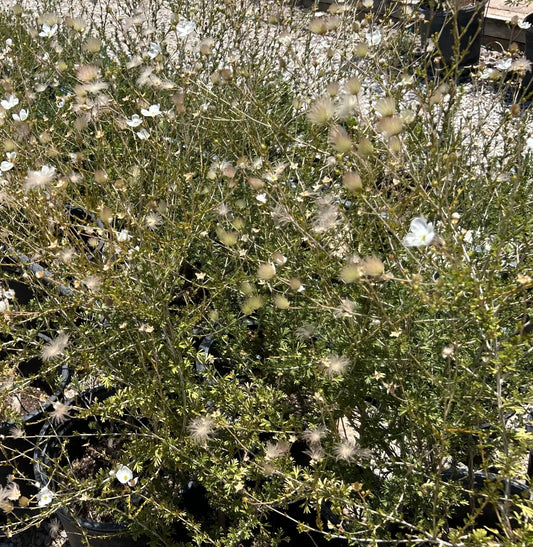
(300, 266)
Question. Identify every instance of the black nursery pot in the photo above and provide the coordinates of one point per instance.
(32, 421)
(476, 483)
(527, 83)
(32, 369)
(17, 264)
(85, 226)
(441, 27)
(529, 37)
(81, 532)
(288, 524)
(17, 451)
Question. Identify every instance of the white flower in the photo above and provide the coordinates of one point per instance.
(490, 74)
(529, 143)
(124, 474)
(373, 38)
(48, 171)
(123, 235)
(421, 233)
(11, 155)
(4, 306)
(10, 102)
(21, 116)
(135, 121)
(6, 166)
(154, 51)
(143, 134)
(261, 198)
(152, 111)
(523, 24)
(45, 496)
(504, 64)
(48, 31)
(60, 102)
(184, 28)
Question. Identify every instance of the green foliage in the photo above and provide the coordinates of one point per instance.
(284, 347)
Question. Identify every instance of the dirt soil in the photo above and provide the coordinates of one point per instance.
(24, 402)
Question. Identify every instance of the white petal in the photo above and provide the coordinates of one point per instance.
(418, 223)
(45, 496)
(184, 28)
(373, 38)
(421, 233)
(124, 474)
(152, 111)
(504, 64)
(410, 240)
(135, 121)
(143, 134)
(21, 116)
(10, 102)
(154, 50)
(429, 237)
